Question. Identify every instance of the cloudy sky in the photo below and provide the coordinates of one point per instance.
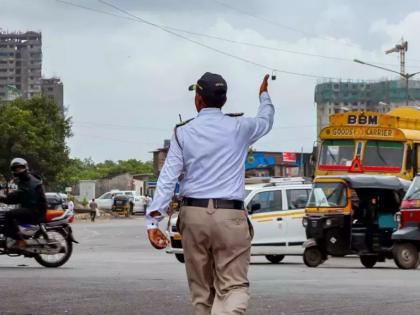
(125, 81)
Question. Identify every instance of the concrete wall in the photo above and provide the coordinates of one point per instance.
(121, 182)
(86, 189)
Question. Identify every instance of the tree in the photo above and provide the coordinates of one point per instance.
(35, 130)
(77, 169)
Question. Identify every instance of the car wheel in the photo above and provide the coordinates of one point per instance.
(368, 260)
(274, 259)
(180, 258)
(406, 255)
(313, 257)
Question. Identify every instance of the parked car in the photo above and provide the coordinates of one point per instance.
(105, 201)
(407, 238)
(275, 210)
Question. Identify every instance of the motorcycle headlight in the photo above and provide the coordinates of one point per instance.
(305, 222)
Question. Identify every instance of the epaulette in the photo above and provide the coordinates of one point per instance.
(234, 114)
(183, 123)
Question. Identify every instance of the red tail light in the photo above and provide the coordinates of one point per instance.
(410, 204)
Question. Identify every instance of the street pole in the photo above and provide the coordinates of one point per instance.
(406, 76)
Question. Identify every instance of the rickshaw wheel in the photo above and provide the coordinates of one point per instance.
(274, 259)
(406, 255)
(368, 260)
(313, 257)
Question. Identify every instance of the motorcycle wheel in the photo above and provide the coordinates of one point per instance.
(55, 260)
(406, 255)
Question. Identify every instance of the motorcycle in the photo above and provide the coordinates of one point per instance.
(50, 243)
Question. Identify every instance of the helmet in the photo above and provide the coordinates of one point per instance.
(19, 167)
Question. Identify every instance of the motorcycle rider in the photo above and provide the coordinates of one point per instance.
(31, 198)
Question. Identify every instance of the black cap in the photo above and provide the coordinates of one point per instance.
(210, 84)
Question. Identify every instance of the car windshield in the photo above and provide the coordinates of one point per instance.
(327, 195)
(337, 152)
(414, 190)
(383, 153)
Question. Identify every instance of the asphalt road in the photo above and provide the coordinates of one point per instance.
(114, 271)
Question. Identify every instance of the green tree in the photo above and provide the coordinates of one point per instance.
(35, 130)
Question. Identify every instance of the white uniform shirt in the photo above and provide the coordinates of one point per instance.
(212, 156)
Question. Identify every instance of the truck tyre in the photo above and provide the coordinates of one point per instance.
(368, 260)
(274, 259)
(180, 258)
(312, 256)
(406, 255)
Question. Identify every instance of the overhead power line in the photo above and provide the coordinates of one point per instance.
(141, 20)
(244, 43)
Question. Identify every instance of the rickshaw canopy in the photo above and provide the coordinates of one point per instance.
(362, 181)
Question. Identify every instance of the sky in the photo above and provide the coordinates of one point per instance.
(126, 81)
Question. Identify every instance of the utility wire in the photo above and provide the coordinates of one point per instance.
(290, 28)
(244, 43)
(141, 20)
(244, 12)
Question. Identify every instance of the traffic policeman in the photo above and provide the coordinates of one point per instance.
(210, 151)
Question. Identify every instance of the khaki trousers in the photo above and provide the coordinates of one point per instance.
(216, 245)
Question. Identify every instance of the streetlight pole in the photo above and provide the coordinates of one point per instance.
(406, 76)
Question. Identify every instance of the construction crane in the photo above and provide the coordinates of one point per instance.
(400, 48)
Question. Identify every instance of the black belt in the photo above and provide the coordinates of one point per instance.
(217, 203)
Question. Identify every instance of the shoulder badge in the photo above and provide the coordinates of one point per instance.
(184, 123)
(234, 114)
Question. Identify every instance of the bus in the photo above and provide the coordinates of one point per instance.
(371, 143)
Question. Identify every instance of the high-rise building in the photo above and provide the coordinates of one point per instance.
(53, 89)
(382, 96)
(20, 64)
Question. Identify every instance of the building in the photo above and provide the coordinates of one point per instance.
(159, 157)
(53, 89)
(20, 64)
(340, 96)
(278, 164)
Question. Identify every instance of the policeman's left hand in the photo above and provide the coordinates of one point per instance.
(157, 238)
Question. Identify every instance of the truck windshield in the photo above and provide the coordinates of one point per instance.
(383, 153)
(327, 195)
(337, 152)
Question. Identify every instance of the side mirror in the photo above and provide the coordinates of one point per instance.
(254, 207)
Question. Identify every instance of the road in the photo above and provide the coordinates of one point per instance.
(114, 271)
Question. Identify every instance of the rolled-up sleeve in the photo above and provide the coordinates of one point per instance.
(257, 127)
(166, 183)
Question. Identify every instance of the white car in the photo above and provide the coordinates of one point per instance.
(105, 201)
(275, 210)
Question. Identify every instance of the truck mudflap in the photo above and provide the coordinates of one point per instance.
(409, 233)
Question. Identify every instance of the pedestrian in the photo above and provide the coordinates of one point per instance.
(146, 202)
(93, 209)
(70, 206)
(210, 151)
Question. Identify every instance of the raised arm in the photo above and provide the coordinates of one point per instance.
(258, 126)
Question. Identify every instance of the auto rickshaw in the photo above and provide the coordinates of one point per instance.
(407, 237)
(352, 215)
(121, 205)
